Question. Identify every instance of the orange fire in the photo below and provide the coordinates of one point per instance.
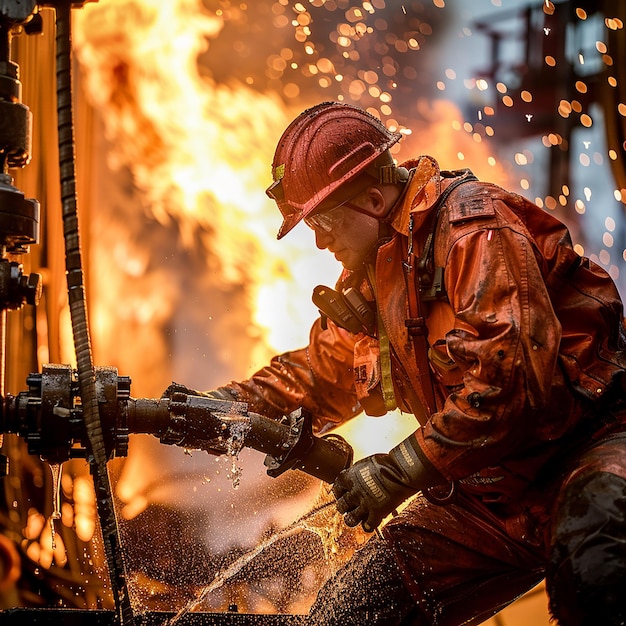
(199, 155)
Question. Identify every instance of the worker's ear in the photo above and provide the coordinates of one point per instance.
(377, 205)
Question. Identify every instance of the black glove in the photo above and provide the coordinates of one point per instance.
(373, 487)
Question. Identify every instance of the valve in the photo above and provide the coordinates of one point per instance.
(48, 416)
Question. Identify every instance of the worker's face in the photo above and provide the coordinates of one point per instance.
(347, 232)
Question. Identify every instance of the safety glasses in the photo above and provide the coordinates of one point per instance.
(327, 220)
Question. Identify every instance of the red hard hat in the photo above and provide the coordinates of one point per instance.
(323, 148)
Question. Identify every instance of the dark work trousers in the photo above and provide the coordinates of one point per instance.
(463, 562)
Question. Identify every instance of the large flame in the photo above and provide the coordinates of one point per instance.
(199, 153)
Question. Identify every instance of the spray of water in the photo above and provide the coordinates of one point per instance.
(302, 523)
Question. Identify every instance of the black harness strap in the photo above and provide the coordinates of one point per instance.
(426, 281)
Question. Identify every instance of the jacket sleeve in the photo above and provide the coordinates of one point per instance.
(505, 340)
(318, 378)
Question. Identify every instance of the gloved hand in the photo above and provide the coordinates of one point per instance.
(213, 443)
(221, 393)
(375, 486)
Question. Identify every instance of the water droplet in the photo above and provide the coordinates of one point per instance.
(55, 469)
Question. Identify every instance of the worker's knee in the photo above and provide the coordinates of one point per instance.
(587, 568)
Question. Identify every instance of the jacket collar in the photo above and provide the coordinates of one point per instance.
(422, 190)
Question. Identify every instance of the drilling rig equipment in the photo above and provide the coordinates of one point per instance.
(49, 417)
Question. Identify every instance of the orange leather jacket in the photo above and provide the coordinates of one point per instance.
(528, 339)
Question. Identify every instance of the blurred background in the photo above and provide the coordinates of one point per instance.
(178, 107)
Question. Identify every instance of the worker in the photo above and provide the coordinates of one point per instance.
(465, 305)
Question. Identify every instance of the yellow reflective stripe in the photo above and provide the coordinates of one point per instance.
(386, 382)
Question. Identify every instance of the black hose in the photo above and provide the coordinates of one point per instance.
(78, 313)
